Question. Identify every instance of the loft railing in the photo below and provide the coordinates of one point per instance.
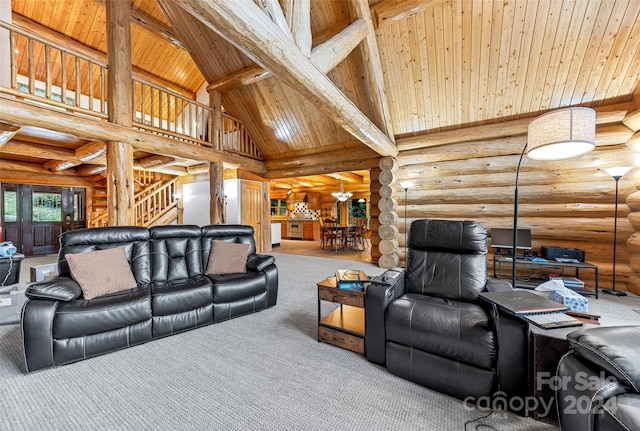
(44, 72)
(62, 78)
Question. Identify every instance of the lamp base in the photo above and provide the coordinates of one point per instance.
(614, 292)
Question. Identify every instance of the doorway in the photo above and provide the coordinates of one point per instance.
(34, 217)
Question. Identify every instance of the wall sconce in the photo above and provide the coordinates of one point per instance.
(176, 196)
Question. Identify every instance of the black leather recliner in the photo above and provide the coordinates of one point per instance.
(427, 324)
(598, 381)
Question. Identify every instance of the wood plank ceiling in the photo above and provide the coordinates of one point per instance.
(447, 64)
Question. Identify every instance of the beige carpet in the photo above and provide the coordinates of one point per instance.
(265, 371)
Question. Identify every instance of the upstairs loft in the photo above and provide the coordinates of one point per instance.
(171, 131)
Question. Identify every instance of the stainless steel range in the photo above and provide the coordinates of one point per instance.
(295, 229)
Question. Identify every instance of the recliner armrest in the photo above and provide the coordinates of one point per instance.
(383, 290)
(58, 288)
(258, 262)
(614, 349)
(495, 285)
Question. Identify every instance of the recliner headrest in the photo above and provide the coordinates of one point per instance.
(468, 237)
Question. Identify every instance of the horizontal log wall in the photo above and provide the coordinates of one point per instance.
(565, 203)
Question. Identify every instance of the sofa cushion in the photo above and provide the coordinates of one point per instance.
(106, 313)
(454, 330)
(227, 258)
(181, 295)
(101, 272)
(234, 287)
(613, 348)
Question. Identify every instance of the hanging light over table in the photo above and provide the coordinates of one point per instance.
(342, 195)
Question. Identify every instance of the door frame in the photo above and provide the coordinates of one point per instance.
(35, 237)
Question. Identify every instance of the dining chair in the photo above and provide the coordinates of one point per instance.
(329, 235)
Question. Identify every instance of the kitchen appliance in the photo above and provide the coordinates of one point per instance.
(295, 229)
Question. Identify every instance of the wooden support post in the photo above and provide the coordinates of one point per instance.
(120, 208)
(217, 131)
(216, 189)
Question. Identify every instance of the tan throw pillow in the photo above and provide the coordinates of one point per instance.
(227, 257)
(101, 272)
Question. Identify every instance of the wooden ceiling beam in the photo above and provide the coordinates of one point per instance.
(340, 32)
(347, 177)
(390, 11)
(329, 54)
(91, 151)
(21, 148)
(244, 25)
(373, 73)
(156, 161)
(156, 27)
(26, 114)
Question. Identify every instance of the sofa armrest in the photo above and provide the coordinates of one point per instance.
(55, 289)
(258, 262)
(496, 285)
(383, 289)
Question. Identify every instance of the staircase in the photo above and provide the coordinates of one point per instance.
(154, 203)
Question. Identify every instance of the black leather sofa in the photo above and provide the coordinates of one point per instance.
(598, 381)
(428, 325)
(173, 293)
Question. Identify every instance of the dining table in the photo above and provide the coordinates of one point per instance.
(340, 233)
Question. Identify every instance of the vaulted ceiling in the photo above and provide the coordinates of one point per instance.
(446, 64)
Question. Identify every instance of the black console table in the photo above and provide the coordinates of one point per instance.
(498, 261)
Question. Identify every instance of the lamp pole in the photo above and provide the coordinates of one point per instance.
(616, 173)
(514, 250)
(405, 186)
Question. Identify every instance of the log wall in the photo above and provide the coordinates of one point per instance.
(565, 203)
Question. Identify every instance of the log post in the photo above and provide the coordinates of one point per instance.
(216, 189)
(387, 217)
(120, 194)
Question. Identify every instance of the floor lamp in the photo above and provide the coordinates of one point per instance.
(617, 173)
(556, 135)
(405, 186)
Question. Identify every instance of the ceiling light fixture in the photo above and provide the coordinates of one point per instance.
(342, 195)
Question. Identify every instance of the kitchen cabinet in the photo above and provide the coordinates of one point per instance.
(307, 230)
(313, 200)
(283, 227)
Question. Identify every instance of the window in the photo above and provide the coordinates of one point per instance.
(78, 206)
(279, 207)
(10, 206)
(46, 207)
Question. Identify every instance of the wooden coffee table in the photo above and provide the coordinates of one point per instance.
(344, 326)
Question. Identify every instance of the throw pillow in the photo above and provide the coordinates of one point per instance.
(101, 272)
(227, 257)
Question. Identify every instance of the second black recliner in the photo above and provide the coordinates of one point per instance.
(427, 324)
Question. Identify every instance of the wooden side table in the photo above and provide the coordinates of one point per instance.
(343, 327)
